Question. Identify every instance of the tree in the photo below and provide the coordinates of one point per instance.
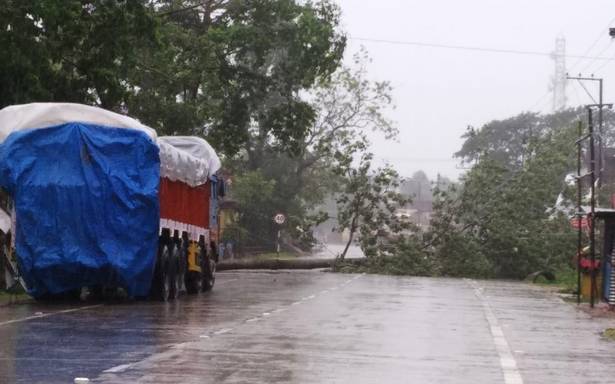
(238, 69)
(347, 105)
(498, 222)
(80, 51)
(233, 71)
(367, 205)
(255, 195)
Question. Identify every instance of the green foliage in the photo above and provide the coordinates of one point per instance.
(565, 280)
(346, 105)
(231, 70)
(234, 71)
(240, 73)
(408, 259)
(499, 222)
(235, 233)
(256, 196)
(73, 50)
(367, 205)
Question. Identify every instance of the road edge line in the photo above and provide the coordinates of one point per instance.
(512, 375)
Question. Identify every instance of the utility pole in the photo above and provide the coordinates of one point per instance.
(559, 76)
(600, 106)
(592, 220)
(579, 214)
(591, 216)
(600, 135)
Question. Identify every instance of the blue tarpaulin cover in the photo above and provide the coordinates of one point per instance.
(86, 203)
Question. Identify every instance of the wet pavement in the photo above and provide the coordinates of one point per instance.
(331, 250)
(313, 327)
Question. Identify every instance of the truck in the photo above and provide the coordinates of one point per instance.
(96, 200)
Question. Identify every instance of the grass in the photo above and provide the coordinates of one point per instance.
(6, 297)
(565, 280)
(609, 334)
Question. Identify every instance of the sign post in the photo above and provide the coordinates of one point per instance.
(279, 219)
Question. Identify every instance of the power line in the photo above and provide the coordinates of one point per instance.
(475, 48)
(576, 93)
(600, 68)
(591, 63)
(603, 33)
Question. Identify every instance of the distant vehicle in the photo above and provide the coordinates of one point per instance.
(98, 200)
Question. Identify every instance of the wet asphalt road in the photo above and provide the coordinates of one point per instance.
(313, 327)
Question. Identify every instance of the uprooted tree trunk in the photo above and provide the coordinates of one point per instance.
(282, 264)
(353, 229)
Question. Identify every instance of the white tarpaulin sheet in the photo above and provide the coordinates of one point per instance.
(187, 158)
(43, 115)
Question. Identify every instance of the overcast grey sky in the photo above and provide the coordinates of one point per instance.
(438, 92)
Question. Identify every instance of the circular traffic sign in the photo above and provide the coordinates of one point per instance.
(279, 218)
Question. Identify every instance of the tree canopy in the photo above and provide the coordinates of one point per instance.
(499, 221)
(232, 71)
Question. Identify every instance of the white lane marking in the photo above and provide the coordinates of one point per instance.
(123, 367)
(324, 291)
(507, 360)
(118, 368)
(266, 313)
(226, 281)
(42, 315)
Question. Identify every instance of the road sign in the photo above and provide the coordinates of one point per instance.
(279, 219)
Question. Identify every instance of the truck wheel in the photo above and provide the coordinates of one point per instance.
(209, 274)
(194, 283)
(183, 265)
(165, 294)
(161, 286)
(174, 273)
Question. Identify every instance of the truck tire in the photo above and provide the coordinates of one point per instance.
(209, 273)
(174, 272)
(194, 283)
(183, 264)
(161, 286)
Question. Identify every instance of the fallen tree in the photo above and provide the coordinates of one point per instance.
(282, 264)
